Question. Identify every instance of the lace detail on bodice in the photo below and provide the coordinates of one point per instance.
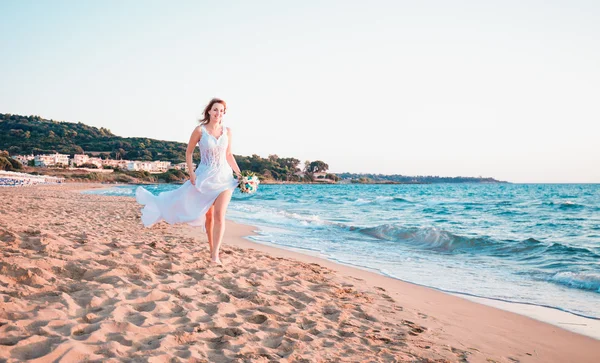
(213, 151)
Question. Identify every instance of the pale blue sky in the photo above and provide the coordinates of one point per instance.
(508, 89)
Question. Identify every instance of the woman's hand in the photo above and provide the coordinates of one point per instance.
(193, 179)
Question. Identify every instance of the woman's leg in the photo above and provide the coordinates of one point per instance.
(220, 206)
(208, 224)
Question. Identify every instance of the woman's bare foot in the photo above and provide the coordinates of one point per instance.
(216, 261)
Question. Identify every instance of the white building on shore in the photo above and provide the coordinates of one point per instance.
(51, 160)
(134, 165)
(80, 159)
(180, 166)
(162, 166)
(149, 166)
(24, 159)
(121, 164)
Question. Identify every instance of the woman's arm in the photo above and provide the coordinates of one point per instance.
(230, 157)
(189, 152)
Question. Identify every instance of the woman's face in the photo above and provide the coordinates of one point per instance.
(216, 112)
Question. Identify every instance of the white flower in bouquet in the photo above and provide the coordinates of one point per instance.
(248, 182)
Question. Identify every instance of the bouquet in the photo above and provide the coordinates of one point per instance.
(248, 182)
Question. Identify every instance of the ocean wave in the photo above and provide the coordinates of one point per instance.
(564, 205)
(310, 218)
(429, 237)
(279, 217)
(580, 280)
(379, 200)
(525, 246)
(570, 205)
(531, 248)
(376, 200)
(245, 196)
(566, 250)
(445, 241)
(509, 213)
(114, 191)
(265, 196)
(436, 211)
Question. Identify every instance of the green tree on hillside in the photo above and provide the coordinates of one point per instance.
(318, 166)
(7, 163)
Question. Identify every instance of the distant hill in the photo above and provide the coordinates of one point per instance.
(405, 179)
(33, 134)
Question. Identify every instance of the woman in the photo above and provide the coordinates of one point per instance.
(202, 200)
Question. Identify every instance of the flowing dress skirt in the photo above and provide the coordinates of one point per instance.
(188, 203)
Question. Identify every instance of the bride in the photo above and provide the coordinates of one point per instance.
(202, 200)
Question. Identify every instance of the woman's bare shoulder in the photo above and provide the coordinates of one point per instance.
(196, 134)
(197, 130)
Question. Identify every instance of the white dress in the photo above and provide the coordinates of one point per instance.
(189, 203)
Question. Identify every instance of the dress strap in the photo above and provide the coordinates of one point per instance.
(223, 131)
(204, 131)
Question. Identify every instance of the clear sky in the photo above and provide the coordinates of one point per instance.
(507, 89)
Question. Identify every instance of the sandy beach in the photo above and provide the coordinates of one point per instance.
(82, 280)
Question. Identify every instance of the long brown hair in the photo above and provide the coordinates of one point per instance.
(206, 119)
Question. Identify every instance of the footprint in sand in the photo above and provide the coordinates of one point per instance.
(7, 236)
(136, 319)
(273, 341)
(10, 341)
(414, 328)
(388, 297)
(331, 312)
(307, 324)
(34, 243)
(34, 347)
(147, 306)
(296, 304)
(463, 355)
(211, 309)
(258, 319)
(83, 332)
(363, 315)
(346, 333)
(224, 297)
(232, 332)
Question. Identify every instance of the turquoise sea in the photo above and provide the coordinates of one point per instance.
(529, 243)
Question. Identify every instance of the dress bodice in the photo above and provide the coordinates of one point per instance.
(213, 151)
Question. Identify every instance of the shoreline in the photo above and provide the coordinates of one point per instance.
(483, 299)
(490, 301)
(81, 172)
(583, 325)
(82, 279)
